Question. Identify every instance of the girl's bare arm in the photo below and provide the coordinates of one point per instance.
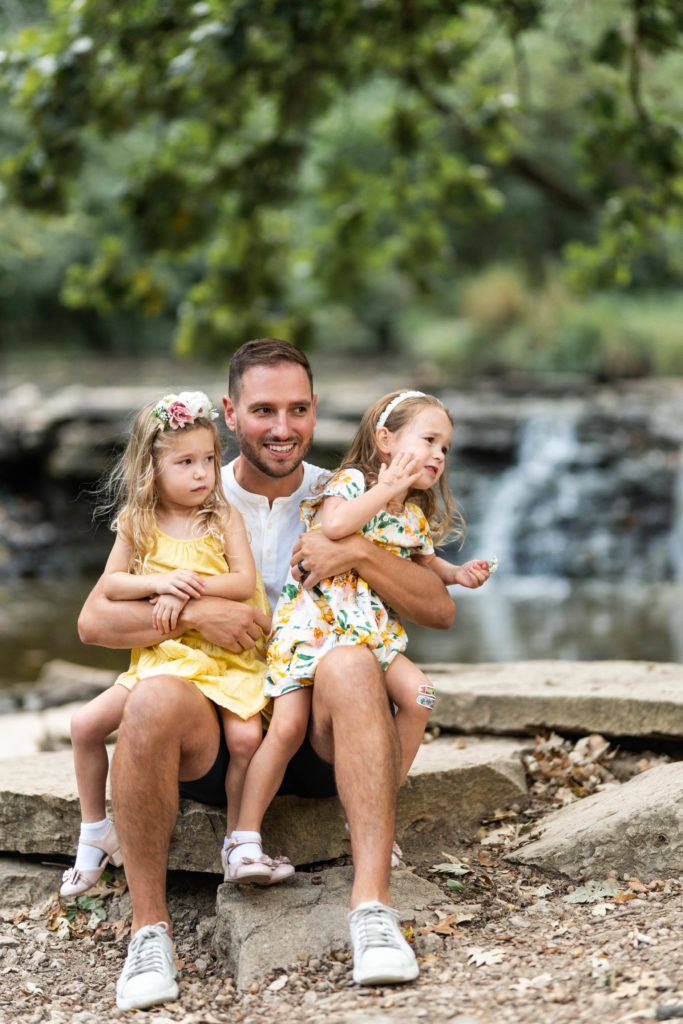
(240, 583)
(121, 585)
(340, 517)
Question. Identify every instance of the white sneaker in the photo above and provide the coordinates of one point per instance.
(149, 973)
(381, 956)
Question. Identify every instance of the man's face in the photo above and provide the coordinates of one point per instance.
(273, 417)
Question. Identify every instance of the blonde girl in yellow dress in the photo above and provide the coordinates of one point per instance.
(386, 489)
(176, 538)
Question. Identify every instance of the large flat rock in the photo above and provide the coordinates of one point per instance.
(452, 785)
(635, 828)
(261, 929)
(613, 698)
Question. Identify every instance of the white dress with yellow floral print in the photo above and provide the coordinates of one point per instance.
(341, 610)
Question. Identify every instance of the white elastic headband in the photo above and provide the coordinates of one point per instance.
(384, 416)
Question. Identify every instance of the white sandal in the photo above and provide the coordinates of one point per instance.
(282, 869)
(246, 870)
(78, 880)
(263, 870)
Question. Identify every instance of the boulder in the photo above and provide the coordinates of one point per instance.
(25, 884)
(452, 785)
(635, 828)
(63, 682)
(261, 929)
(613, 698)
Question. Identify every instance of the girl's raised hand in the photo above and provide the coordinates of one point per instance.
(401, 473)
(180, 582)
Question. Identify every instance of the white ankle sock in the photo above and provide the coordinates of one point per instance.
(89, 856)
(250, 846)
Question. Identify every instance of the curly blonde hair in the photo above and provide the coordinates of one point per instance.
(130, 493)
(444, 518)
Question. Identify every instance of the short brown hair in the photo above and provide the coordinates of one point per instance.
(263, 352)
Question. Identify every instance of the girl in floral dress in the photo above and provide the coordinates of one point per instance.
(386, 490)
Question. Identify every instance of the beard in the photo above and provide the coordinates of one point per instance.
(259, 457)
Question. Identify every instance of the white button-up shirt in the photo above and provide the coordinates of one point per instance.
(273, 529)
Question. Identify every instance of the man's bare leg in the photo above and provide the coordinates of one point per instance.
(352, 728)
(169, 731)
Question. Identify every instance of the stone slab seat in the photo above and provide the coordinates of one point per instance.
(452, 786)
(613, 698)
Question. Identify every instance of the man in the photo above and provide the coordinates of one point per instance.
(172, 734)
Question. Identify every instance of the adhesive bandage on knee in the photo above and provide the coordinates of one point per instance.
(426, 695)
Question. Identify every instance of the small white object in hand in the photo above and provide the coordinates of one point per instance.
(493, 564)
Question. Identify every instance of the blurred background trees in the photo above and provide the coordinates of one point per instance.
(485, 186)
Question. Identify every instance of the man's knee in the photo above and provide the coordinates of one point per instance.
(157, 706)
(349, 664)
(350, 673)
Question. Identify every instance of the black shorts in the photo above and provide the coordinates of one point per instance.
(307, 775)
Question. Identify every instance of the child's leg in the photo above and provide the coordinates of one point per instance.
(404, 682)
(285, 735)
(243, 738)
(90, 726)
(98, 842)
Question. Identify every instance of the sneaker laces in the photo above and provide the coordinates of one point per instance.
(146, 953)
(377, 927)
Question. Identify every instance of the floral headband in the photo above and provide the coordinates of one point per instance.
(176, 411)
(386, 413)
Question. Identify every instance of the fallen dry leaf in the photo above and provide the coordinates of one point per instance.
(624, 897)
(445, 927)
(484, 957)
(635, 885)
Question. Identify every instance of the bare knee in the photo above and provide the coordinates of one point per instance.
(288, 730)
(244, 742)
(155, 709)
(350, 676)
(87, 728)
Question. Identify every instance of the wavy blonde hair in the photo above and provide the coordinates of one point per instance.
(129, 491)
(444, 517)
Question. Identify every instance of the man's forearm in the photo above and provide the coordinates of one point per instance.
(414, 592)
(118, 624)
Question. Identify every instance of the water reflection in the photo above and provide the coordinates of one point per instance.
(541, 618)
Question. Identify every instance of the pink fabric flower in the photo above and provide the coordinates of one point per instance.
(178, 415)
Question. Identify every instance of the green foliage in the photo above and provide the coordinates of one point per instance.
(511, 326)
(290, 168)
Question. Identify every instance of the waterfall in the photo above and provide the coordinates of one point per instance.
(676, 537)
(534, 495)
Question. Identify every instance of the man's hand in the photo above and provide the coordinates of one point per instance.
(321, 557)
(230, 624)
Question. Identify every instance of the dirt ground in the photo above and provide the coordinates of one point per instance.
(506, 943)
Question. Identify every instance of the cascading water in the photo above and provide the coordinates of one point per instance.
(534, 496)
(587, 526)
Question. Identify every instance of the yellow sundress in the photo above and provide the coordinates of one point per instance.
(234, 681)
(342, 609)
